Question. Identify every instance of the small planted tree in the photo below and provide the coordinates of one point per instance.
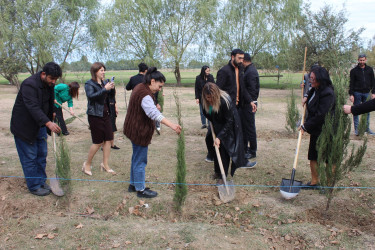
(333, 158)
(181, 188)
(63, 164)
(362, 126)
(292, 114)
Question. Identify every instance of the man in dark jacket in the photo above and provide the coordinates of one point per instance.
(140, 78)
(135, 80)
(361, 83)
(251, 83)
(31, 116)
(230, 78)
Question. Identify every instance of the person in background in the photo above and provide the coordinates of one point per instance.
(114, 113)
(251, 83)
(139, 126)
(200, 81)
(320, 101)
(140, 78)
(219, 109)
(32, 114)
(230, 79)
(361, 83)
(98, 113)
(64, 93)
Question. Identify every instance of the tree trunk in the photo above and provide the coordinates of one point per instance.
(13, 80)
(177, 74)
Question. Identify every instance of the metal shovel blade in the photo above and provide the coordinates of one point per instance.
(290, 190)
(55, 187)
(227, 193)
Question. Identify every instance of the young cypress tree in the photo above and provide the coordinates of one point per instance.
(362, 126)
(63, 164)
(181, 188)
(292, 114)
(332, 145)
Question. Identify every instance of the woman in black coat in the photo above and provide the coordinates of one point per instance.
(320, 101)
(218, 108)
(200, 81)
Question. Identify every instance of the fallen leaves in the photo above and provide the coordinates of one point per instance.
(40, 236)
(45, 235)
(90, 210)
(79, 226)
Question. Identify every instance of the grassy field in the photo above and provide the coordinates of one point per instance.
(101, 214)
(289, 79)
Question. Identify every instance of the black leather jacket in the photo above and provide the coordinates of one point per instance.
(96, 95)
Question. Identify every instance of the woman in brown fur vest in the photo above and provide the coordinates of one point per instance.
(139, 127)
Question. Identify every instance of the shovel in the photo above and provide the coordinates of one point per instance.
(54, 182)
(289, 187)
(226, 192)
(73, 115)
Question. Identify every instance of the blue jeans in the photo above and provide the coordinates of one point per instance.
(203, 118)
(138, 165)
(33, 159)
(358, 99)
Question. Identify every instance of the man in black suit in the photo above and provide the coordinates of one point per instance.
(230, 79)
(251, 82)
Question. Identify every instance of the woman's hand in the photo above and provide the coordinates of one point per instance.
(71, 111)
(177, 128)
(109, 86)
(301, 129)
(116, 110)
(347, 109)
(217, 142)
(304, 100)
(197, 101)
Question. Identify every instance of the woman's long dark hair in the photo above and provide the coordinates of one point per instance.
(203, 72)
(153, 73)
(322, 77)
(73, 89)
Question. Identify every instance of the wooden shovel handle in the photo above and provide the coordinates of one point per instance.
(219, 158)
(303, 115)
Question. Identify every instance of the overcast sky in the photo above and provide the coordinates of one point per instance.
(361, 13)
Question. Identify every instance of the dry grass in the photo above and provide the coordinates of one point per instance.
(258, 218)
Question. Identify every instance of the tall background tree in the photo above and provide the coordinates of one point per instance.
(11, 60)
(128, 28)
(180, 24)
(254, 26)
(324, 34)
(36, 32)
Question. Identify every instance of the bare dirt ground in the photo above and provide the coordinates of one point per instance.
(99, 213)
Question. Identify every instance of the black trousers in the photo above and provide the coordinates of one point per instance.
(59, 119)
(248, 129)
(225, 158)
